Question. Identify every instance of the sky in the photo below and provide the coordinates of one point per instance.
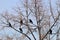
(7, 4)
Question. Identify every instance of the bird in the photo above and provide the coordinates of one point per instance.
(10, 24)
(39, 21)
(21, 30)
(21, 22)
(50, 31)
(30, 21)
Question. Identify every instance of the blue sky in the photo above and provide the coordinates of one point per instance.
(7, 4)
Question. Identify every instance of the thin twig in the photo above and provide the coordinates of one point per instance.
(52, 26)
(21, 33)
(17, 30)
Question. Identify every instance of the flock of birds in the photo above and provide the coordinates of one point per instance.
(21, 22)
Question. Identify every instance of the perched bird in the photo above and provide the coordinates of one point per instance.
(21, 22)
(38, 21)
(50, 31)
(10, 24)
(20, 29)
(30, 21)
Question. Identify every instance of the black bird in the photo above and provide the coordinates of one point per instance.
(10, 24)
(21, 30)
(50, 31)
(39, 21)
(21, 22)
(30, 21)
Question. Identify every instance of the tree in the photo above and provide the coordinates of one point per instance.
(35, 19)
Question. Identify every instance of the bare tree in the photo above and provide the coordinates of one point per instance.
(34, 18)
